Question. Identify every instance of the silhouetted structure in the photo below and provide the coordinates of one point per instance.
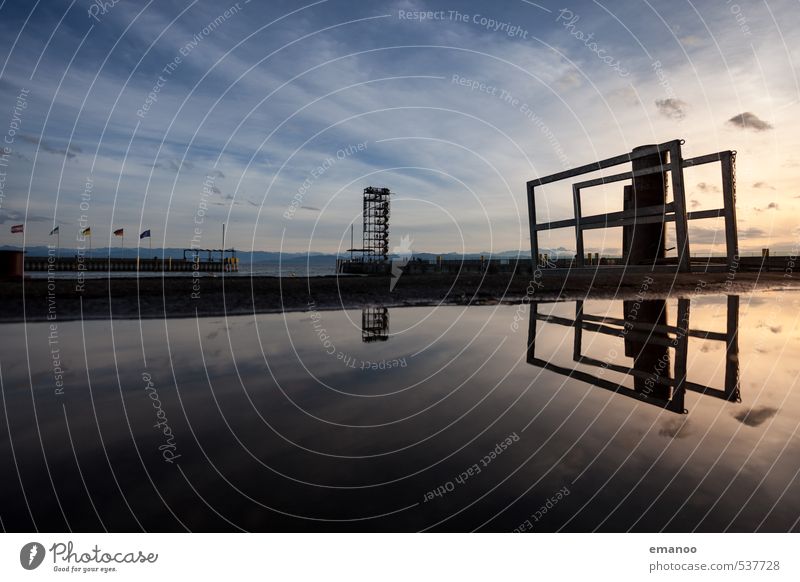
(375, 236)
(200, 260)
(645, 203)
(373, 256)
(374, 324)
(11, 264)
(643, 245)
(648, 340)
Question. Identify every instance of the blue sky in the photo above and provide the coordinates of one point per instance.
(272, 117)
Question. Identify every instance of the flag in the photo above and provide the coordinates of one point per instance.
(145, 234)
(17, 228)
(119, 232)
(86, 231)
(54, 231)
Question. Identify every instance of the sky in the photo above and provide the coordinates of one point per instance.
(272, 117)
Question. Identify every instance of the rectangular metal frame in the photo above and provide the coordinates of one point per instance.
(674, 211)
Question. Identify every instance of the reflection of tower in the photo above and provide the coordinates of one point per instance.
(374, 324)
(375, 237)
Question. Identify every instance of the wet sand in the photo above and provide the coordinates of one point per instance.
(156, 297)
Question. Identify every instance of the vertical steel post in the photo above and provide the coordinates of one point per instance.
(679, 198)
(534, 307)
(732, 350)
(681, 356)
(729, 207)
(576, 204)
(534, 233)
(578, 337)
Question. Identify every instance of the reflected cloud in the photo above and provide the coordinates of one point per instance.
(773, 328)
(271, 411)
(676, 428)
(756, 416)
(705, 348)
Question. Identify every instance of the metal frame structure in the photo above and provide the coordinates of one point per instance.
(374, 324)
(375, 234)
(674, 211)
(649, 334)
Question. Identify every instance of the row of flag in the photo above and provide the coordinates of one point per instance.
(19, 228)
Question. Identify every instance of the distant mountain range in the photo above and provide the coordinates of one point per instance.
(256, 257)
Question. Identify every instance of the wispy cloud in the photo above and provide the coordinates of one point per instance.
(770, 206)
(672, 108)
(16, 217)
(174, 165)
(691, 40)
(273, 110)
(776, 329)
(704, 235)
(70, 151)
(569, 80)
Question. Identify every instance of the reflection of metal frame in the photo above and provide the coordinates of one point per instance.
(374, 324)
(644, 341)
(674, 211)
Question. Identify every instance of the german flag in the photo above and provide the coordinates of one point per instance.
(119, 232)
(87, 231)
(17, 228)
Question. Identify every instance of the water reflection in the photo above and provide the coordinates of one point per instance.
(374, 324)
(291, 421)
(658, 350)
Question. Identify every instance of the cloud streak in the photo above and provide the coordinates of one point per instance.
(672, 108)
(70, 151)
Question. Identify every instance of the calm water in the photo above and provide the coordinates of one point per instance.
(450, 418)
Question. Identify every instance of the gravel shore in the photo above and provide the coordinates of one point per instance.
(156, 297)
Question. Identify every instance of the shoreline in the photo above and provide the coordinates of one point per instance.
(178, 297)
